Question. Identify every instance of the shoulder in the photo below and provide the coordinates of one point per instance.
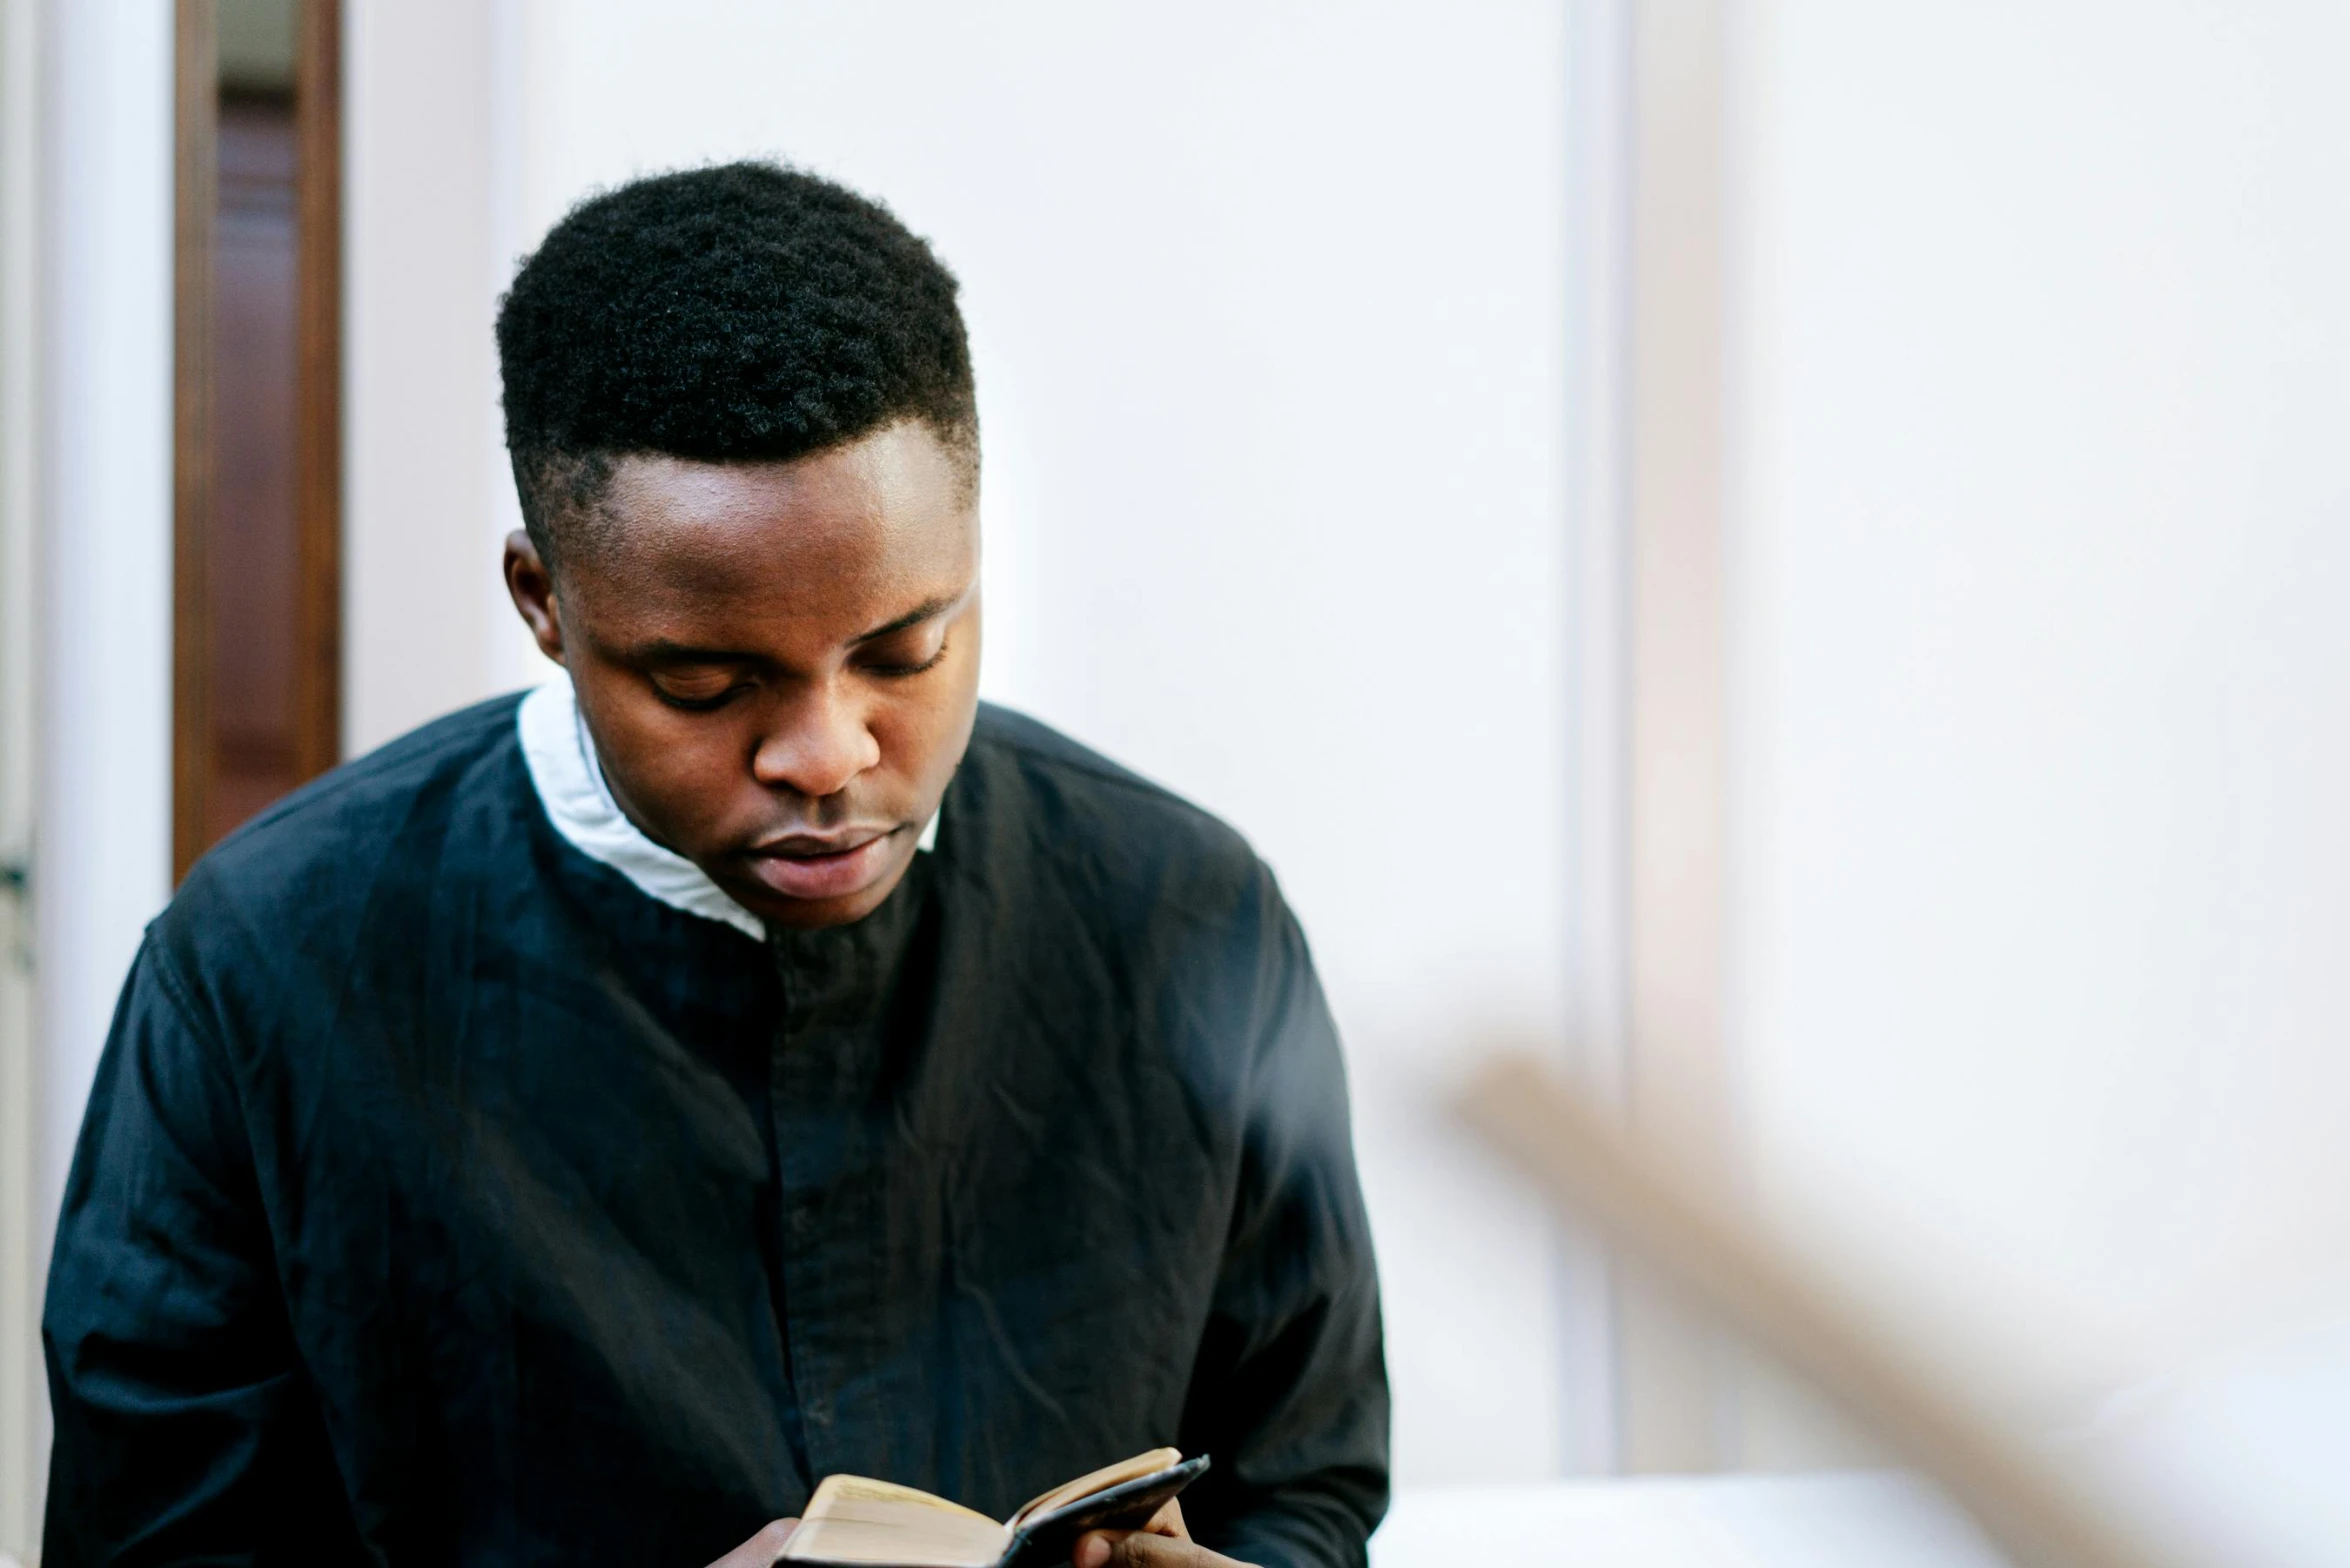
(1096, 826)
(1123, 903)
(298, 872)
(367, 801)
(1121, 889)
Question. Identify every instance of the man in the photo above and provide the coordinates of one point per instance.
(571, 1132)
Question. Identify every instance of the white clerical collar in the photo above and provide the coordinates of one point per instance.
(570, 785)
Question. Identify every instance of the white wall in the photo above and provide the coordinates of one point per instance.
(23, 1396)
(1269, 313)
(2042, 354)
(100, 447)
(103, 858)
(426, 623)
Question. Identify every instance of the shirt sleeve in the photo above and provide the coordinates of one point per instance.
(184, 1430)
(1289, 1394)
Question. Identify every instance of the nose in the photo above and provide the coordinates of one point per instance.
(819, 742)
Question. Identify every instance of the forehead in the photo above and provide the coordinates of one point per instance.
(826, 538)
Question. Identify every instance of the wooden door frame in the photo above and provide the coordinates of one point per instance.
(318, 439)
(195, 162)
(318, 346)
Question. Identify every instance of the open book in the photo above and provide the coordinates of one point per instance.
(853, 1520)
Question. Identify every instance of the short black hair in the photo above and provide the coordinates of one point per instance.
(744, 311)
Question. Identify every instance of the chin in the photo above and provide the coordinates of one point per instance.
(814, 914)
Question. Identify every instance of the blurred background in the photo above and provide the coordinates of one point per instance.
(1792, 556)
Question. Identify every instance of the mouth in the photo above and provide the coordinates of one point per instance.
(819, 866)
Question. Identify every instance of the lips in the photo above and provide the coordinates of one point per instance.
(834, 866)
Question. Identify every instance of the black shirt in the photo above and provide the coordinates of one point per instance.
(443, 1198)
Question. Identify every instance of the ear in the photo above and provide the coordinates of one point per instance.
(533, 588)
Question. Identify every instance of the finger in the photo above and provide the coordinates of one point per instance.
(1169, 1521)
(1135, 1549)
(761, 1550)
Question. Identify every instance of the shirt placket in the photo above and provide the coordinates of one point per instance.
(822, 1074)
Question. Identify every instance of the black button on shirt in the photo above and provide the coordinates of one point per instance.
(445, 1199)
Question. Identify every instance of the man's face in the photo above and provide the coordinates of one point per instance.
(779, 662)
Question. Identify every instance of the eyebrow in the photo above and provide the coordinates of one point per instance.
(914, 617)
(662, 650)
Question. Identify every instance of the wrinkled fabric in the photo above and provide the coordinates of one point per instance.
(444, 1199)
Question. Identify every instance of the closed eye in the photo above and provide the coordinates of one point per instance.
(699, 696)
(900, 669)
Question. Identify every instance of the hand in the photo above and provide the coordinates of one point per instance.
(1163, 1543)
(760, 1550)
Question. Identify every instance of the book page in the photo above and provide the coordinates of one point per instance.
(1100, 1480)
(855, 1520)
